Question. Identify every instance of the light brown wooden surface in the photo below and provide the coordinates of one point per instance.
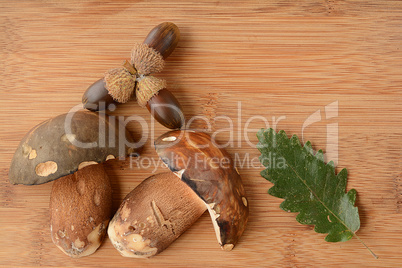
(277, 59)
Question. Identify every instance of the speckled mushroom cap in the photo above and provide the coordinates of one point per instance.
(60, 146)
(211, 173)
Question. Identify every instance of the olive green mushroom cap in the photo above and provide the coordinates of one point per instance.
(60, 146)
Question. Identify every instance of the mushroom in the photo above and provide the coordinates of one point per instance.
(80, 209)
(153, 215)
(210, 172)
(69, 148)
(61, 145)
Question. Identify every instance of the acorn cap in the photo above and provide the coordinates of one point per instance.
(120, 83)
(148, 87)
(146, 59)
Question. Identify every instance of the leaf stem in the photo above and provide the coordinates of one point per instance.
(327, 208)
(322, 203)
(361, 241)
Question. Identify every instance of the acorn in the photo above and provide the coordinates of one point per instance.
(96, 97)
(163, 38)
(117, 86)
(160, 102)
(146, 58)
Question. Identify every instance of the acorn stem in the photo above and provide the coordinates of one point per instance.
(129, 67)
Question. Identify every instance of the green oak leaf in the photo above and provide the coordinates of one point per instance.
(308, 185)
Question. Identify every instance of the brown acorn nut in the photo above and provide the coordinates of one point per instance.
(166, 109)
(117, 86)
(163, 38)
(211, 174)
(160, 102)
(148, 57)
(80, 208)
(60, 146)
(153, 215)
(97, 97)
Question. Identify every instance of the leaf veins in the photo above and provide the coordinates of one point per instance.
(309, 186)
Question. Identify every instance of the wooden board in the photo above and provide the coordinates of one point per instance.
(285, 62)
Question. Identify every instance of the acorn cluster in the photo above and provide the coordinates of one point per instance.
(120, 84)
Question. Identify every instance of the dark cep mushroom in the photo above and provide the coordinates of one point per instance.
(60, 146)
(69, 147)
(210, 172)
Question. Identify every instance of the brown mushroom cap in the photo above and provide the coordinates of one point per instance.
(153, 215)
(60, 146)
(80, 208)
(211, 174)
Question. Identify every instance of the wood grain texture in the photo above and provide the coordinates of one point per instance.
(282, 61)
